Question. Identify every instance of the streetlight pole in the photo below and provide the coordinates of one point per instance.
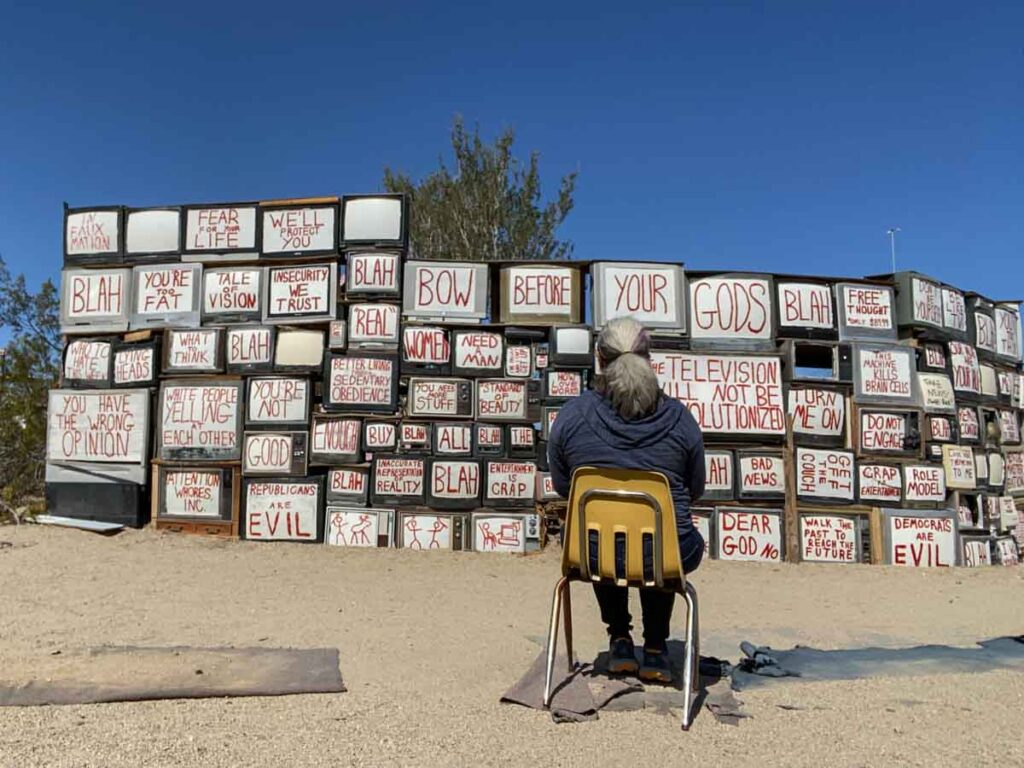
(891, 232)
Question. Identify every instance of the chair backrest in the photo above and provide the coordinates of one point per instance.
(614, 518)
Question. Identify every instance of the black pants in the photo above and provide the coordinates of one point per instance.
(656, 604)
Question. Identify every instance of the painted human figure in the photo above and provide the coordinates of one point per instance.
(439, 526)
(338, 522)
(490, 540)
(413, 527)
(359, 535)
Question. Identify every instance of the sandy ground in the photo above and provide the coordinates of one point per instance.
(429, 641)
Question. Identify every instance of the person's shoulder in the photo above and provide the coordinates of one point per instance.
(579, 405)
(687, 425)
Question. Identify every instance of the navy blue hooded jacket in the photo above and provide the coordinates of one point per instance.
(590, 432)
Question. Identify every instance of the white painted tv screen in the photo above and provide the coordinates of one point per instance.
(302, 229)
(653, 294)
(156, 231)
(726, 307)
(299, 349)
(91, 232)
(220, 228)
(373, 219)
(101, 425)
(572, 341)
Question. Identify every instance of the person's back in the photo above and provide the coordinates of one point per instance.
(626, 422)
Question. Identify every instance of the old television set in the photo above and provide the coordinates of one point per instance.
(380, 435)
(732, 310)
(1008, 330)
(373, 274)
(935, 392)
(426, 349)
(190, 432)
(540, 294)
(136, 364)
(940, 428)
(548, 414)
(509, 483)
(299, 350)
(335, 440)
(563, 385)
(337, 335)
(981, 325)
(989, 382)
(221, 230)
(445, 291)
(196, 495)
(963, 361)
(277, 454)
(804, 309)
(760, 475)
(507, 400)
(478, 352)
(452, 438)
(299, 228)
(505, 532)
(654, 294)
(249, 349)
(360, 383)
(825, 475)
(453, 483)
(232, 294)
(924, 485)
(277, 402)
(358, 526)
(932, 358)
(152, 234)
(719, 475)
(166, 295)
(193, 350)
(488, 440)
(430, 397)
(888, 431)
(414, 437)
(865, 312)
(879, 483)
(93, 235)
(300, 293)
(819, 413)
(518, 361)
(284, 509)
(373, 325)
(88, 363)
(427, 530)
(349, 485)
(884, 373)
(919, 304)
(379, 220)
(95, 300)
(521, 441)
(571, 347)
(954, 313)
(817, 361)
(398, 480)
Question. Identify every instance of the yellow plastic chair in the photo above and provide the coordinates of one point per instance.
(634, 507)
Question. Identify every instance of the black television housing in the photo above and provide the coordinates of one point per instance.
(380, 435)
(299, 243)
(452, 438)
(136, 364)
(335, 439)
(521, 440)
(249, 348)
(166, 220)
(101, 246)
(289, 449)
(290, 357)
(357, 227)
(399, 490)
(414, 436)
(383, 365)
(489, 440)
(426, 349)
(100, 369)
(570, 346)
(256, 420)
(372, 274)
(449, 482)
(176, 341)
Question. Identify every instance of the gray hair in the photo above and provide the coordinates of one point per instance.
(627, 379)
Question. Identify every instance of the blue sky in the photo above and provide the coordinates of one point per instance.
(719, 134)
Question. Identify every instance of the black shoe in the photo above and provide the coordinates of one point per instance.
(655, 668)
(622, 657)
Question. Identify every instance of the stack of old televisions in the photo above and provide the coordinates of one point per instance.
(311, 380)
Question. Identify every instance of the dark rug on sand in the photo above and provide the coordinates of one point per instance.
(140, 674)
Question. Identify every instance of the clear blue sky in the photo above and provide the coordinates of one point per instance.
(719, 134)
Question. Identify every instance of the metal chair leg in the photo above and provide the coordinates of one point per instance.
(567, 623)
(691, 673)
(556, 605)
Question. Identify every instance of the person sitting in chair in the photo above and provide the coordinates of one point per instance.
(626, 422)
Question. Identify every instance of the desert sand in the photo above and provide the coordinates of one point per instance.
(430, 641)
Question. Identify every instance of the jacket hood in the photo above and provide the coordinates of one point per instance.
(626, 435)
